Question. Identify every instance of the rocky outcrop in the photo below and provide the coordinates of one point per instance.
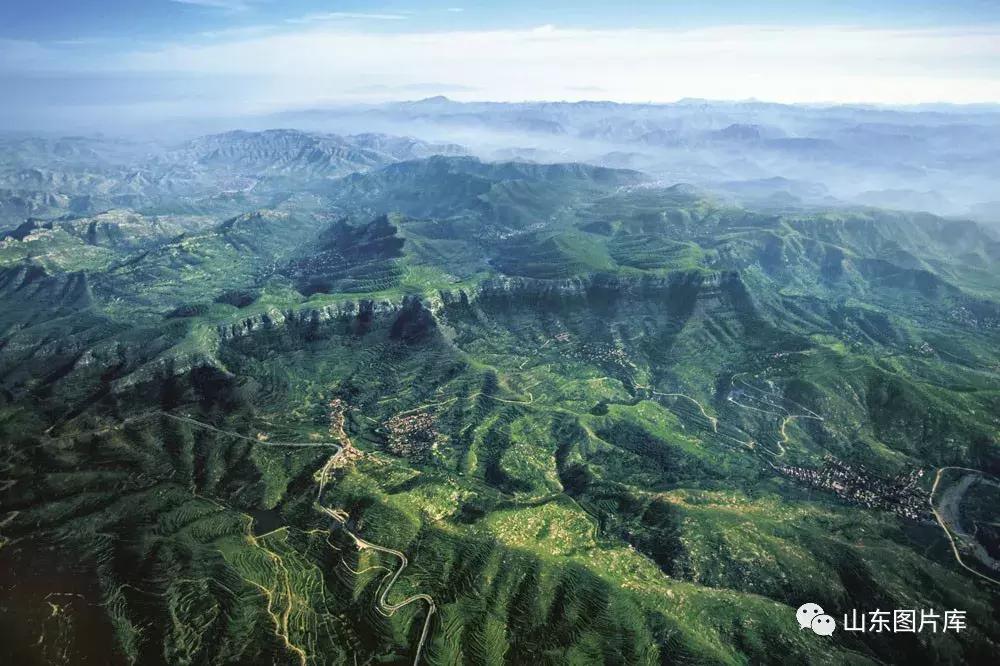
(276, 318)
(587, 287)
(677, 291)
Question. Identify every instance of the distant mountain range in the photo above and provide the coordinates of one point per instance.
(934, 160)
(48, 178)
(851, 151)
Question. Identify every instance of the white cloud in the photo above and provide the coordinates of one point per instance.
(456, 9)
(327, 61)
(21, 56)
(233, 5)
(344, 16)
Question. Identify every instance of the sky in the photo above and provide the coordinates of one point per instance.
(109, 61)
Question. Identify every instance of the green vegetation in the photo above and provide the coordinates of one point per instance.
(585, 408)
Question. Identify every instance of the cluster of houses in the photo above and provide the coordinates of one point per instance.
(411, 435)
(853, 483)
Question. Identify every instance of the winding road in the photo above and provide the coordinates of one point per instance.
(322, 476)
(947, 512)
(711, 419)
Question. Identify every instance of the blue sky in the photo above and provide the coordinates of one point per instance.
(160, 58)
(47, 20)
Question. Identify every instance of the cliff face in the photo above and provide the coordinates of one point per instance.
(610, 297)
(508, 288)
(678, 291)
(362, 310)
(582, 287)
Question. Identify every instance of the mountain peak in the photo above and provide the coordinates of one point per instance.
(436, 100)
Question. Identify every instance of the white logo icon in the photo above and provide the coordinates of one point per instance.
(823, 625)
(811, 616)
(806, 613)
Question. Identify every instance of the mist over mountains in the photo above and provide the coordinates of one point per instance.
(938, 159)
